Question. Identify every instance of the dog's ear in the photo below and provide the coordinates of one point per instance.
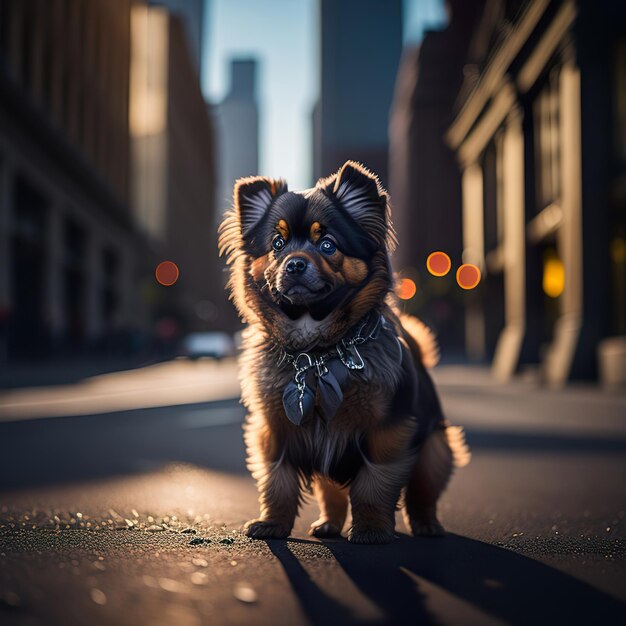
(253, 196)
(357, 190)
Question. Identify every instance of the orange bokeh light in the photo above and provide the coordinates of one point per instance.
(406, 288)
(468, 276)
(167, 273)
(438, 263)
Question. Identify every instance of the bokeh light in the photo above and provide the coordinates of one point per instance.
(438, 263)
(553, 281)
(406, 288)
(167, 273)
(468, 276)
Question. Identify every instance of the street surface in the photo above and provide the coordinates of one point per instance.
(126, 507)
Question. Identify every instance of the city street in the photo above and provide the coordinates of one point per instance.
(134, 515)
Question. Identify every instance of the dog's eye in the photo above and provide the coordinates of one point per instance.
(278, 243)
(327, 246)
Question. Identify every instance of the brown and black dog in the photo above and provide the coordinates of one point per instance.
(333, 376)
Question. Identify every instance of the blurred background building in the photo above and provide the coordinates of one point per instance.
(361, 41)
(104, 172)
(424, 179)
(499, 127)
(191, 13)
(539, 135)
(70, 253)
(237, 123)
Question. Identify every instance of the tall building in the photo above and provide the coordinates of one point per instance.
(540, 135)
(85, 211)
(69, 254)
(174, 179)
(424, 178)
(237, 120)
(191, 15)
(361, 42)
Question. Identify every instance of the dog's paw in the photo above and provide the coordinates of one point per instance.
(370, 535)
(428, 528)
(266, 529)
(324, 529)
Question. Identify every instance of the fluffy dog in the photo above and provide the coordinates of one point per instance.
(333, 377)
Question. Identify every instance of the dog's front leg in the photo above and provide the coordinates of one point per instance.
(373, 496)
(279, 496)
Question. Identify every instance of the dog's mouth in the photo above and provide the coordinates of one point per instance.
(302, 294)
(298, 300)
(303, 290)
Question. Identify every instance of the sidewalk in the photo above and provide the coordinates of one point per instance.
(523, 406)
(471, 398)
(164, 384)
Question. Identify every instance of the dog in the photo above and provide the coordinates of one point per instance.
(334, 378)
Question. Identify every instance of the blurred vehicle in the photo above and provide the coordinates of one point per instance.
(208, 344)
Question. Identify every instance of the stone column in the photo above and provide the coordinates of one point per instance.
(569, 236)
(474, 252)
(513, 237)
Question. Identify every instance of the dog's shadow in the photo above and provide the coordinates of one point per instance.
(451, 580)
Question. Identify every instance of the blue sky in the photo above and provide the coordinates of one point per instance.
(283, 36)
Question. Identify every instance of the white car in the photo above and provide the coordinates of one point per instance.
(215, 345)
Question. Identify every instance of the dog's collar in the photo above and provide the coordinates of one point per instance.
(320, 374)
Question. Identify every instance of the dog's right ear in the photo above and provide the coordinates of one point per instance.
(253, 196)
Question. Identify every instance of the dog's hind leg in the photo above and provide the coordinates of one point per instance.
(333, 503)
(443, 450)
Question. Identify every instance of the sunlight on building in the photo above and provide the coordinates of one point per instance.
(148, 71)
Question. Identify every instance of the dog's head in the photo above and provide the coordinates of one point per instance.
(321, 252)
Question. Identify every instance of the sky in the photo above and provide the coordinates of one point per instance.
(283, 36)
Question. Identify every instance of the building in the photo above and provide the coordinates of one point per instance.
(361, 42)
(174, 178)
(540, 136)
(424, 179)
(69, 255)
(191, 14)
(237, 121)
(83, 219)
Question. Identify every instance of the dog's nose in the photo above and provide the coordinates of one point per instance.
(296, 265)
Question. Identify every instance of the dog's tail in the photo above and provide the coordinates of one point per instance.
(423, 337)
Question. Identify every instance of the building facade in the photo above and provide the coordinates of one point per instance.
(361, 42)
(191, 14)
(424, 179)
(82, 222)
(174, 170)
(539, 135)
(68, 252)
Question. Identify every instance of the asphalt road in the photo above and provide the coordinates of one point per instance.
(134, 517)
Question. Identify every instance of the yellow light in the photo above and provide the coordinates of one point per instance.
(553, 277)
(406, 289)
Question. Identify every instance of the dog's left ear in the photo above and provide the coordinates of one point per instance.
(253, 196)
(359, 192)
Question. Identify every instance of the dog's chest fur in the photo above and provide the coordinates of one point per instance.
(330, 448)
